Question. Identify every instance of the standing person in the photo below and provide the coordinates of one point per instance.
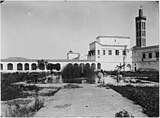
(100, 76)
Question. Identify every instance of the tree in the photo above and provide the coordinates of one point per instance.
(57, 67)
(42, 64)
(50, 67)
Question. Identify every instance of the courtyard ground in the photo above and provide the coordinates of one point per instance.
(89, 100)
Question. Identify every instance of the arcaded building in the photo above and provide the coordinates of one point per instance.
(17, 64)
(143, 57)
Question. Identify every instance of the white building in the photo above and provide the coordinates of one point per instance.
(110, 51)
(72, 55)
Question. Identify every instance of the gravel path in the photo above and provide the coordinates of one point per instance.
(88, 101)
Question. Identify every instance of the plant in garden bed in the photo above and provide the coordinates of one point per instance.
(147, 97)
(9, 92)
(123, 113)
(25, 110)
(48, 92)
(69, 86)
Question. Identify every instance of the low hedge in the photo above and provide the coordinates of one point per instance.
(151, 76)
(147, 97)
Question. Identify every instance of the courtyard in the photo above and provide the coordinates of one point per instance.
(112, 99)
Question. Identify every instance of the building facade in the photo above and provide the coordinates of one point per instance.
(144, 57)
(30, 65)
(111, 51)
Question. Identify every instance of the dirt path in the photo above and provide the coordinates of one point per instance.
(88, 101)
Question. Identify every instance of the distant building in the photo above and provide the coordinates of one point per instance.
(72, 55)
(110, 51)
(144, 57)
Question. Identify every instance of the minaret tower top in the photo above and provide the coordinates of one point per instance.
(140, 29)
(141, 11)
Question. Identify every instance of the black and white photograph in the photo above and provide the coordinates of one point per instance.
(79, 58)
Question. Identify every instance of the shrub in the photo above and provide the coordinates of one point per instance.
(150, 76)
(25, 110)
(70, 73)
(9, 92)
(123, 113)
(17, 77)
(69, 86)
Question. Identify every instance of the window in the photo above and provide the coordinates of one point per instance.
(117, 52)
(104, 52)
(139, 33)
(143, 56)
(143, 33)
(98, 66)
(150, 55)
(137, 26)
(124, 52)
(98, 52)
(143, 42)
(109, 52)
(157, 54)
(144, 25)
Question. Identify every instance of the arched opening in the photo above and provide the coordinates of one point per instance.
(34, 66)
(87, 65)
(26, 66)
(19, 66)
(82, 67)
(98, 66)
(75, 65)
(128, 67)
(70, 64)
(93, 66)
(9, 66)
(1, 67)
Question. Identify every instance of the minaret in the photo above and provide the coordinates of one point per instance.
(140, 29)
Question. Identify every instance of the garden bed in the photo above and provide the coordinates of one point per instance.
(20, 99)
(147, 97)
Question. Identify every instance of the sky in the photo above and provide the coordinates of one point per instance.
(48, 30)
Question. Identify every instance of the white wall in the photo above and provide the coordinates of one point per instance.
(114, 41)
(63, 64)
(138, 62)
